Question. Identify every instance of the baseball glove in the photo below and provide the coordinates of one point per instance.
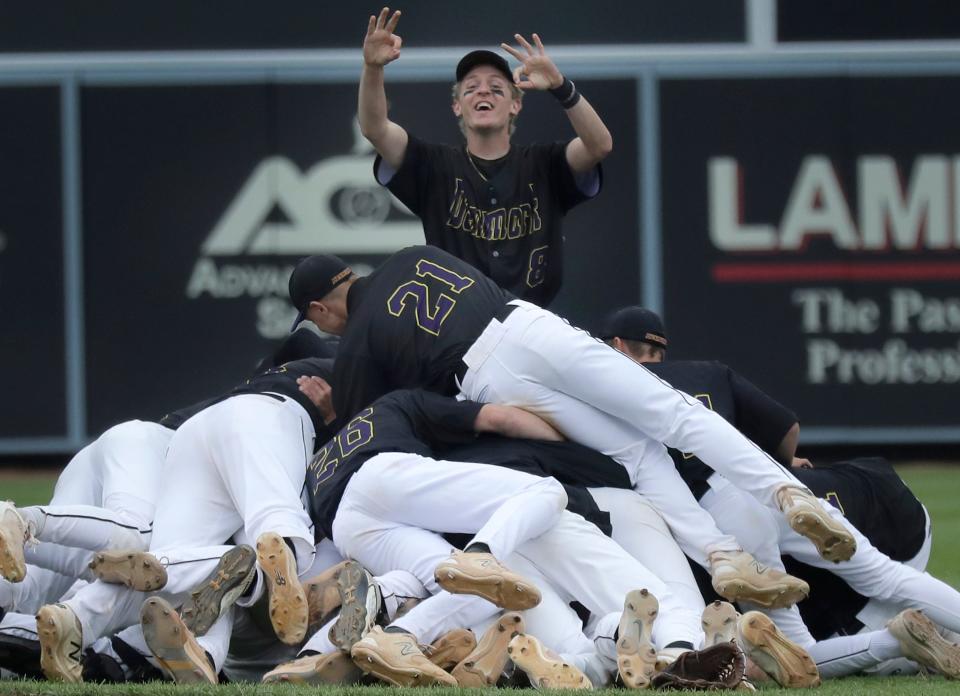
(718, 667)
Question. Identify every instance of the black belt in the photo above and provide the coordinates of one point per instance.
(500, 316)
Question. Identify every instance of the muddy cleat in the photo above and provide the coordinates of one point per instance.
(288, 601)
(360, 602)
(210, 599)
(719, 622)
(544, 668)
(450, 649)
(485, 663)
(13, 535)
(137, 570)
(785, 661)
(738, 576)
(808, 518)
(482, 575)
(636, 656)
(316, 670)
(921, 641)
(61, 643)
(174, 646)
(323, 597)
(396, 659)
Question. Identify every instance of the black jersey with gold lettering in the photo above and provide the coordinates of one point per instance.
(410, 421)
(501, 216)
(281, 380)
(410, 322)
(758, 416)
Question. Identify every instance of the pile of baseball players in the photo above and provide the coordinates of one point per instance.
(434, 480)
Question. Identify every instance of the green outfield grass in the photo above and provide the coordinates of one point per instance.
(937, 486)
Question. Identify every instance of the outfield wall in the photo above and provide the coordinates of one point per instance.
(789, 201)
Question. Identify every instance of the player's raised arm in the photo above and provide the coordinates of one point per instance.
(538, 71)
(380, 46)
(514, 422)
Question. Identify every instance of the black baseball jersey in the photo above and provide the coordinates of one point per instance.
(410, 322)
(411, 421)
(300, 344)
(751, 411)
(275, 380)
(576, 467)
(875, 499)
(877, 502)
(503, 217)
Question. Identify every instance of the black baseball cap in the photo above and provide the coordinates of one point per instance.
(313, 279)
(483, 57)
(635, 324)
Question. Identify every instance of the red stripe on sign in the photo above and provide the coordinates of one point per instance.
(791, 272)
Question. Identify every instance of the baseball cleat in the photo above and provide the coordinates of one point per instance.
(360, 602)
(719, 622)
(789, 664)
(452, 648)
(137, 570)
(485, 663)
(288, 601)
(174, 646)
(13, 534)
(636, 656)
(808, 518)
(61, 643)
(316, 670)
(323, 597)
(738, 576)
(210, 599)
(396, 659)
(921, 641)
(544, 668)
(482, 575)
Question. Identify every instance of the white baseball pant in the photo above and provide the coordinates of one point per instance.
(602, 399)
(237, 465)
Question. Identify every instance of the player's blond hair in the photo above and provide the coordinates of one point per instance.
(515, 93)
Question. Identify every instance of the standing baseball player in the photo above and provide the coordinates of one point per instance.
(496, 205)
(425, 318)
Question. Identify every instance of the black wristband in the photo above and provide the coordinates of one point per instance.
(566, 94)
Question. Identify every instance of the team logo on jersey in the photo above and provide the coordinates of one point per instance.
(282, 213)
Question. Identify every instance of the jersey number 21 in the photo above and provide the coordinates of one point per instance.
(430, 311)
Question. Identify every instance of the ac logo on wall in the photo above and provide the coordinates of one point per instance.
(282, 214)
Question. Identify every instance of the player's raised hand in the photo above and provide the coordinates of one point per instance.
(381, 45)
(536, 70)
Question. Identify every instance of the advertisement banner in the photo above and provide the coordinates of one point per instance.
(811, 241)
(198, 201)
(32, 359)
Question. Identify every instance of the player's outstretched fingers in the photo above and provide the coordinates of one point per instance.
(171, 642)
(137, 570)
(482, 575)
(288, 601)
